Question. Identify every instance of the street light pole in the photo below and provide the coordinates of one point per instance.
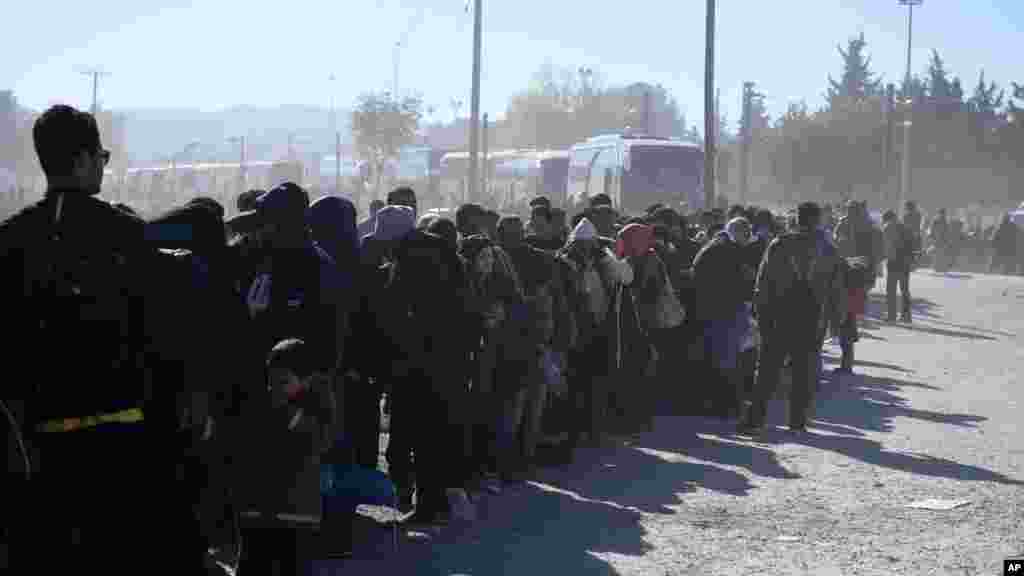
(710, 119)
(395, 56)
(909, 103)
(474, 122)
(95, 73)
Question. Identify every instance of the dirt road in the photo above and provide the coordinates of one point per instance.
(935, 410)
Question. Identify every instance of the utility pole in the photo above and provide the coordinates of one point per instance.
(394, 85)
(909, 103)
(474, 121)
(648, 127)
(95, 73)
(486, 172)
(748, 96)
(337, 162)
(710, 117)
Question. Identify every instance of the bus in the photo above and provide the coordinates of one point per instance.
(511, 176)
(636, 171)
(153, 189)
(537, 173)
(419, 167)
(353, 174)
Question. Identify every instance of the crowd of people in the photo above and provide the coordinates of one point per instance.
(240, 356)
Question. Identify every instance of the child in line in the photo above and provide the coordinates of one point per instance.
(286, 441)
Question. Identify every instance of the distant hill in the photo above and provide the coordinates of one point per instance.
(152, 134)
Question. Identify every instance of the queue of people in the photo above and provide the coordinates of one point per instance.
(200, 369)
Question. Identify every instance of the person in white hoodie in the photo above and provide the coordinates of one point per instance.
(598, 276)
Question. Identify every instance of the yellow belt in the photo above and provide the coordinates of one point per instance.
(70, 424)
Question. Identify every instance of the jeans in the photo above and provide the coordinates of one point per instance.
(897, 276)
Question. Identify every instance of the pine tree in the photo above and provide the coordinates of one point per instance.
(987, 98)
(857, 82)
(942, 90)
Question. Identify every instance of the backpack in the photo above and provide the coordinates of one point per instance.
(493, 282)
(803, 259)
(414, 291)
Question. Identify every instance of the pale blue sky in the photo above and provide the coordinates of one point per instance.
(214, 54)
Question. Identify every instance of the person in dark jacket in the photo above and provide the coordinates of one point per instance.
(797, 288)
(77, 278)
(899, 250)
(1004, 247)
(723, 286)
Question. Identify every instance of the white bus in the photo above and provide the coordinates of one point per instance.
(517, 180)
(153, 189)
(454, 168)
(636, 171)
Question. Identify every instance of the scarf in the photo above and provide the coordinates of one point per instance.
(635, 240)
(333, 223)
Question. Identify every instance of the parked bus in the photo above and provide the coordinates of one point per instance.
(455, 171)
(419, 167)
(153, 189)
(517, 180)
(636, 171)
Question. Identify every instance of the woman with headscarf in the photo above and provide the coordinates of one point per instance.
(724, 287)
(598, 276)
(332, 222)
(379, 356)
(208, 368)
(637, 323)
(372, 351)
(332, 219)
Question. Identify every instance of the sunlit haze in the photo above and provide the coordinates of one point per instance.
(227, 53)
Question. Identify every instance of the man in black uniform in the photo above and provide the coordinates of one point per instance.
(101, 475)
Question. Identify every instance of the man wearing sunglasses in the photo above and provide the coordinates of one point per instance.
(97, 420)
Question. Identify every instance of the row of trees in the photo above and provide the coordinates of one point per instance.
(559, 108)
(966, 147)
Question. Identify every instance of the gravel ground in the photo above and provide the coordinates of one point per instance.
(935, 410)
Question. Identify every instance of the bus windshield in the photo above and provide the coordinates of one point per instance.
(660, 174)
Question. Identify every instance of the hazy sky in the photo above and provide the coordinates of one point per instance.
(219, 53)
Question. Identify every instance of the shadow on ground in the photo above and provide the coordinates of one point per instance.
(650, 471)
(877, 306)
(849, 405)
(872, 402)
(876, 313)
(833, 359)
(530, 529)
